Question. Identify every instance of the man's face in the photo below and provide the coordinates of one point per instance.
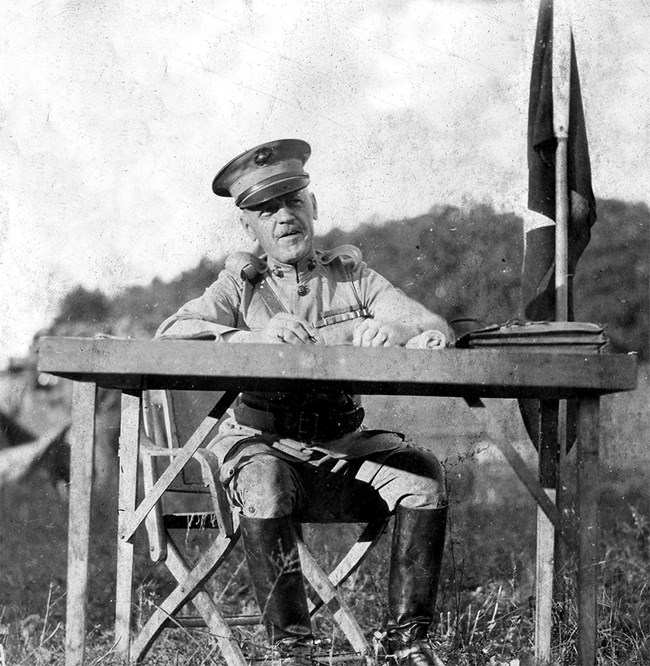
(283, 226)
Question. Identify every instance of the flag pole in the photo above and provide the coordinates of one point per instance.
(562, 51)
(553, 439)
(561, 95)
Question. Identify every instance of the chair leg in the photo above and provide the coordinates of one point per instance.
(189, 581)
(154, 520)
(331, 595)
(366, 541)
(129, 450)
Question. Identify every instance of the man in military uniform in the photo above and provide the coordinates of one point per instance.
(306, 457)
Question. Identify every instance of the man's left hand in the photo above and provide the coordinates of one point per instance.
(374, 333)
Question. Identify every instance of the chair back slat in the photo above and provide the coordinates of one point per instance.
(186, 411)
(170, 419)
(148, 407)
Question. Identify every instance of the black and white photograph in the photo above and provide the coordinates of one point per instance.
(324, 333)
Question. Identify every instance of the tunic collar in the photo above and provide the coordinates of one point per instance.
(303, 269)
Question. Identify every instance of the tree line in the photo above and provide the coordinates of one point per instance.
(464, 263)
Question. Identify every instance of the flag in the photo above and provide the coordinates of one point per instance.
(538, 274)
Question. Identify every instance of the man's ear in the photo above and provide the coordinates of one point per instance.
(315, 205)
(243, 219)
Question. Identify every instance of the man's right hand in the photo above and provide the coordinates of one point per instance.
(286, 328)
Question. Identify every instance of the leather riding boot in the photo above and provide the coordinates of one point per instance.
(416, 558)
(274, 565)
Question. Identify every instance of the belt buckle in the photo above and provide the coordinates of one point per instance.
(307, 425)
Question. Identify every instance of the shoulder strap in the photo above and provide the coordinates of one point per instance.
(251, 269)
(268, 296)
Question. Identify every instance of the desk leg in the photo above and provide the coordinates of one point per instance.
(129, 451)
(548, 462)
(81, 472)
(588, 485)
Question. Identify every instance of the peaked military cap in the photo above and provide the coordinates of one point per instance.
(264, 172)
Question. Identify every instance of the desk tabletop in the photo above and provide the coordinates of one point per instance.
(206, 365)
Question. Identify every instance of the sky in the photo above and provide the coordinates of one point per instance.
(115, 116)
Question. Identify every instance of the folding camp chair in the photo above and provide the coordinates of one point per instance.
(161, 439)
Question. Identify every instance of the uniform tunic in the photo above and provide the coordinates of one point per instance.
(331, 290)
(334, 291)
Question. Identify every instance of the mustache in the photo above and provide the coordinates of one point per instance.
(289, 232)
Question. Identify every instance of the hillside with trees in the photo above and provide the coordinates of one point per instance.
(462, 262)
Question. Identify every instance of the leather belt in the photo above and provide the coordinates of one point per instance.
(301, 425)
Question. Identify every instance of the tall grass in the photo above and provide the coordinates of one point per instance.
(485, 606)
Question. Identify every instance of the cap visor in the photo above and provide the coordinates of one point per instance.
(272, 188)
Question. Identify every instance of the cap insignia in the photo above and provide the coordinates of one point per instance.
(262, 156)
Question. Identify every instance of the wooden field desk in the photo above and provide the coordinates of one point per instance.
(133, 366)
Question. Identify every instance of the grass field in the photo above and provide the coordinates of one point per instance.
(485, 604)
(486, 601)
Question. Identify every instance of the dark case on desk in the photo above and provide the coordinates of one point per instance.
(569, 337)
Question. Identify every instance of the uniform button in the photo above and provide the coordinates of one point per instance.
(303, 290)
